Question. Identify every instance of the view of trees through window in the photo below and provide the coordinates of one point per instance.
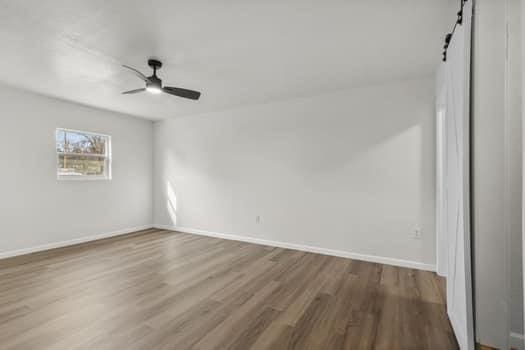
(81, 153)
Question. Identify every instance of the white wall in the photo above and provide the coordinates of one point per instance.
(514, 146)
(490, 178)
(351, 171)
(35, 208)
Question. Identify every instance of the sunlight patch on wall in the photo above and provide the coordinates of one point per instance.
(171, 203)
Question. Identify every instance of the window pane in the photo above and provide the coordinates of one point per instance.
(61, 137)
(80, 165)
(82, 154)
(84, 143)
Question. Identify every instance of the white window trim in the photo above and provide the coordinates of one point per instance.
(108, 159)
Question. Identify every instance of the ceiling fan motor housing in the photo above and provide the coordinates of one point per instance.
(154, 82)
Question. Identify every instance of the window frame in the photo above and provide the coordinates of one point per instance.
(107, 176)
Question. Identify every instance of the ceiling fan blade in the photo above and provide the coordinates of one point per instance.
(137, 73)
(133, 91)
(194, 95)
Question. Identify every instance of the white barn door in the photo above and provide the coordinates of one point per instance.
(456, 189)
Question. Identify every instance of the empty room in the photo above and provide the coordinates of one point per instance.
(338, 174)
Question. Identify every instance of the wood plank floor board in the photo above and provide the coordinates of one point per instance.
(157, 289)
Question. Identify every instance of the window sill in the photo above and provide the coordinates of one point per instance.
(83, 178)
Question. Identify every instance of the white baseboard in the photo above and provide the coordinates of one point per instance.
(324, 251)
(10, 254)
(517, 341)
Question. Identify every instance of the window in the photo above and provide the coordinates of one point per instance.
(83, 155)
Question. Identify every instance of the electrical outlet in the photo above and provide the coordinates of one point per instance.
(258, 219)
(417, 233)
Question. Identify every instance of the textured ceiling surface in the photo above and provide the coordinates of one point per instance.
(236, 52)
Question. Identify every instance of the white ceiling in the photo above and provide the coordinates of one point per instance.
(236, 52)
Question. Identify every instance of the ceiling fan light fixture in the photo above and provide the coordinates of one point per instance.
(154, 89)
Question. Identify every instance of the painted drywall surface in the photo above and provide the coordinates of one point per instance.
(352, 171)
(514, 144)
(37, 209)
(522, 41)
(235, 52)
(488, 175)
